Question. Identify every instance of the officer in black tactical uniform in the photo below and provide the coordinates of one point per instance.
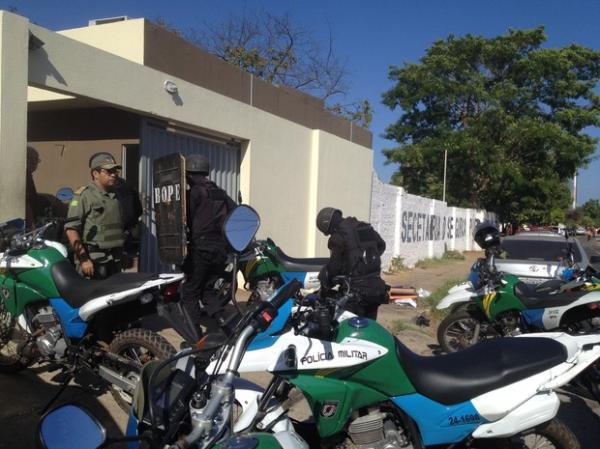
(356, 250)
(207, 207)
(94, 225)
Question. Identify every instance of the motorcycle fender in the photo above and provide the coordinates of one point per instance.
(460, 287)
(458, 297)
(496, 404)
(537, 410)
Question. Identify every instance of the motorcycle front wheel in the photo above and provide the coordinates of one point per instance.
(462, 329)
(141, 346)
(550, 435)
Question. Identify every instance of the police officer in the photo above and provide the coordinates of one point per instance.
(208, 205)
(94, 226)
(356, 250)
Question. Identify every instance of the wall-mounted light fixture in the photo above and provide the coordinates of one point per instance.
(170, 87)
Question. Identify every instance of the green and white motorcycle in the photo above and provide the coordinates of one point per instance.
(49, 314)
(363, 386)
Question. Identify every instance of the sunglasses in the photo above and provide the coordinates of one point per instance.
(111, 171)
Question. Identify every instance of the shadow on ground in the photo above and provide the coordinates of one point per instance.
(24, 396)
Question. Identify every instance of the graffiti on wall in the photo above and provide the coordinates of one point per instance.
(422, 227)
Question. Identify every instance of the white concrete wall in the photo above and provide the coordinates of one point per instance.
(417, 228)
(287, 171)
(13, 115)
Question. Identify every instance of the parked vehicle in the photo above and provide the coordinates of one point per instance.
(535, 257)
(434, 401)
(493, 304)
(50, 314)
(365, 388)
(266, 267)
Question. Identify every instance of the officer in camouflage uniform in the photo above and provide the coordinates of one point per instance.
(94, 226)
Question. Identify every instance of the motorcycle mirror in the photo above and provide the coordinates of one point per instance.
(240, 227)
(70, 426)
(65, 194)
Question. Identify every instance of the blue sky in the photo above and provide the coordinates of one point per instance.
(368, 36)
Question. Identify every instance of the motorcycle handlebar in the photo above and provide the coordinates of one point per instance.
(286, 292)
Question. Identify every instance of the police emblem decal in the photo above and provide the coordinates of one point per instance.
(329, 409)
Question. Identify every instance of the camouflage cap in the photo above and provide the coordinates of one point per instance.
(103, 160)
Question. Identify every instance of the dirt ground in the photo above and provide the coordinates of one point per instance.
(423, 339)
(23, 396)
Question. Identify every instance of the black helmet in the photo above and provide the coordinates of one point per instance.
(486, 235)
(197, 163)
(326, 217)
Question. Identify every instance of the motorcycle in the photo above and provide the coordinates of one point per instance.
(364, 387)
(493, 304)
(50, 314)
(266, 267)
(164, 396)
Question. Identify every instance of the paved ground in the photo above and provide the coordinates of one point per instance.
(22, 396)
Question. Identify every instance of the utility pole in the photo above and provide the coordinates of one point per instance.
(445, 165)
(574, 205)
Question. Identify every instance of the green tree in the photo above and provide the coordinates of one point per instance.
(592, 210)
(510, 114)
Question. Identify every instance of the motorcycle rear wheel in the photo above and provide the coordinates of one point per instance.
(549, 435)
(140, 346)
(459, 329)
(11, 335)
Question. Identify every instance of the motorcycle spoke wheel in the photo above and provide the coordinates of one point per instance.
(140, 346)
(461, 329)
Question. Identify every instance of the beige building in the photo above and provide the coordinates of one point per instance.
(135, 89)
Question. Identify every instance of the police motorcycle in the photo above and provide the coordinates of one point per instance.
(266, 267)
(495, 304)
(50, 314)
(463, 400)
(174, 408)
(364, 387)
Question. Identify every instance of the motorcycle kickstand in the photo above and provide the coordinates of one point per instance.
(68, 377)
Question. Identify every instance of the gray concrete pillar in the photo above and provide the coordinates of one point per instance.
(14, 37)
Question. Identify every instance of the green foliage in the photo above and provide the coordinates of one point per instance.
(360, 113)
(397, 264)
(510, 114)
(453, 255)
(433, 262)
(437, 295)
(591, 209)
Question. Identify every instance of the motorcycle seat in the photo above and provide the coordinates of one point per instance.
(532, 298)
(300, 265)
(464, 375)
(77, 290)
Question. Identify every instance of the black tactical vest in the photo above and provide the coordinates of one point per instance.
(361, 254)
(212, 204)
